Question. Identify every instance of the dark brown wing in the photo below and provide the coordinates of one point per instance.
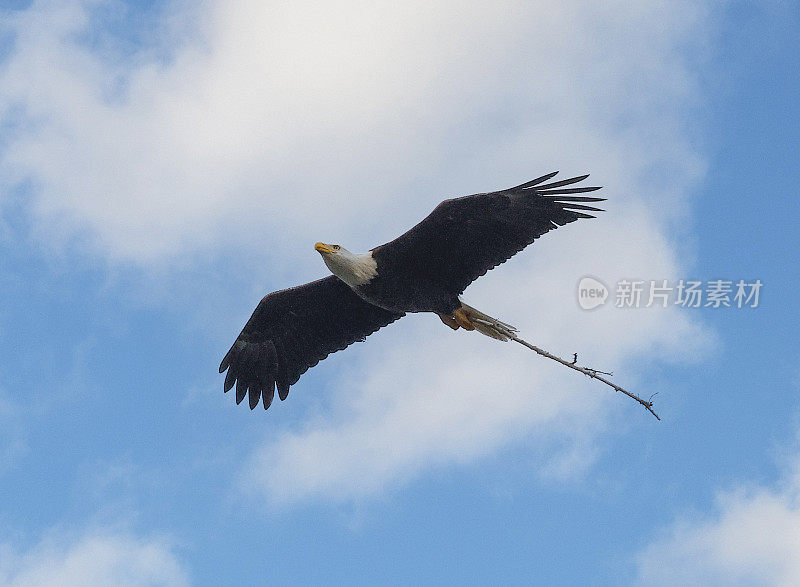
(294, 329)
(465, 237)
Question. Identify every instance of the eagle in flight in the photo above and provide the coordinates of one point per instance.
(424, 270)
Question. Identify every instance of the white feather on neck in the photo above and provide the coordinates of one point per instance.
(355, 269)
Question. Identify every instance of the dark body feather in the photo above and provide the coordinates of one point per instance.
(423, 270)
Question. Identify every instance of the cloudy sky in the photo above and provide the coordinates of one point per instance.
(164, 164)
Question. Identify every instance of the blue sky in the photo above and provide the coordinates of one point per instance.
(164, 165)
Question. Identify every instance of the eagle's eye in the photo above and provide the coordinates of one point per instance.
(336, 247)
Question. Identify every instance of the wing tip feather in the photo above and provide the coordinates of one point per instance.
(225, 363)
(534, 182)
(254, 397)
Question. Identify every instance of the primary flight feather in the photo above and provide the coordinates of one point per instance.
(423, 270)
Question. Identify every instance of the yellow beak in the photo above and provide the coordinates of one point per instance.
(323, 248)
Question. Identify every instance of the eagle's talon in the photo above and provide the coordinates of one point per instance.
(449, 321)
(461, 318)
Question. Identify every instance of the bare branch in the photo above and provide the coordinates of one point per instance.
(609, 373)
(593, 373)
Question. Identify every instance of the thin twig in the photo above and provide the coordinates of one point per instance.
(609, 373)
(648, 405)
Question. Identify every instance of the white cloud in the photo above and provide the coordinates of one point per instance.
(96, 558)
(752, 539)
(271, 111)
(278, 125)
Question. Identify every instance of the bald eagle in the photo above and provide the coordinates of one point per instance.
(424, 270)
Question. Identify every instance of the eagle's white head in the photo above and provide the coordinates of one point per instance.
(354, 269)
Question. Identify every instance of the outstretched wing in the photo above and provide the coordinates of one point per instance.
(294, 329)
(465, 237)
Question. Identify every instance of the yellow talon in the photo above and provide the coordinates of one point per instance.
(460, 316)
(449, 321)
